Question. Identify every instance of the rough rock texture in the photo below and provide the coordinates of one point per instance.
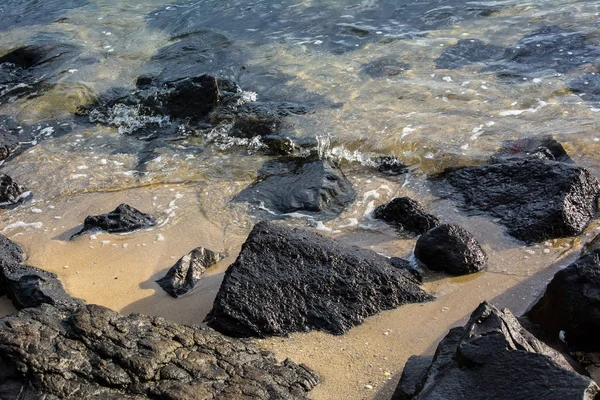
(537, 147)
(314, 187)
(288, 280)
(451, 249)
(384, 67)
(535, 199)
(122, 219)
(587, 87)
(11, 193)
(465, 52)
(406, 213)
(390, 166)
(183, 276)
(571, 304)
(494, 358)
(10, 252)
(91, 352)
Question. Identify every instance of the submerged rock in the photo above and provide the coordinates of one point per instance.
(183, 276)
(390, 166)
(122, 219)
(465, 52)
(451, 249)
(535, 199)
(494, 358)
(542, 147)
(11, 193)
(290, 280)
(384, 67)
(314, 187)
(571, 304)
(91, 352)
(22, 13)
(587, 87)
(407, 214)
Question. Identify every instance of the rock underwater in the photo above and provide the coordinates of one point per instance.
(407, 214)
(122, 219)
(69, 350)
(493, 358)
(291, 280)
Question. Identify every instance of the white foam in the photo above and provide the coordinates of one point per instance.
(21, 224)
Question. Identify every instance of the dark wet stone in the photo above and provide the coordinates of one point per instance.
(548, 50)
(571, 304)
(91, 352)
(543, 147)
(587, 87)
(32, 69)
(451, 13)
(451, 249)
(22, 13)
(465, 52)
(291, 280)
(183, 276)
(11, 193)
(407, 214)
(315, 187)
(413, 374)
(10, 252)
(406, 265)
(494, 357)
(122, 219)
(384, 67)
(535, 199)
(390, 166)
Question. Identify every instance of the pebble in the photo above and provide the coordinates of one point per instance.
(369, 387)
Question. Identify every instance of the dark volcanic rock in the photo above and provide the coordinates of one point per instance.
(30, 287)
(91, 352)
(122, 219)
(543, 147)
(571, 304)
(287, 280)
(11, 193)
(390, 166)
(535, 199)
(406, 213)
(32, 69)
(183, 276)
(10, 252)
(587, 87)
(494, 358)
(465, 52)
(451, 249)
(384, 67)
(315, 187)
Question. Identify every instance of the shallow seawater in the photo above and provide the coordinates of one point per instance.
(315, 53)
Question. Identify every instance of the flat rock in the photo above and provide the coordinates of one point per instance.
(494, 358)
(535, 199)
(451, 249)
(587, 87)
(11, 193)
(314, 187)
(465, 52)
(407, 214)
(122, 219)
(91, 352)
(571, 304)
(291, 280)
(188, 270)
(384, 67)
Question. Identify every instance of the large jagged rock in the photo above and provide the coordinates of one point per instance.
(494, 358)
(408, 214)
(451, 249)
(187, 271)
(11, 193)
(91, 352)
(122, 219)
(10, 252)
(314, 187)
(287, 280)
(535, 199)
(571, 304)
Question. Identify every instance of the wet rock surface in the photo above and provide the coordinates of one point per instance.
(390, 166)
(92, 352)
(465, 52)
(494, 357)
(384, 67)
(10, 252)
(535, 199)
(11, 193)
(571, 304)
(20, 13)
(587, 87)
(122, 219)
(314, 187)
(406, 213)
(543, 147)
(288, 280)
(451, 249)
(187, 271)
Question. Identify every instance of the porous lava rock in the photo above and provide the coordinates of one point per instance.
(122, 219)
(406, 213)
